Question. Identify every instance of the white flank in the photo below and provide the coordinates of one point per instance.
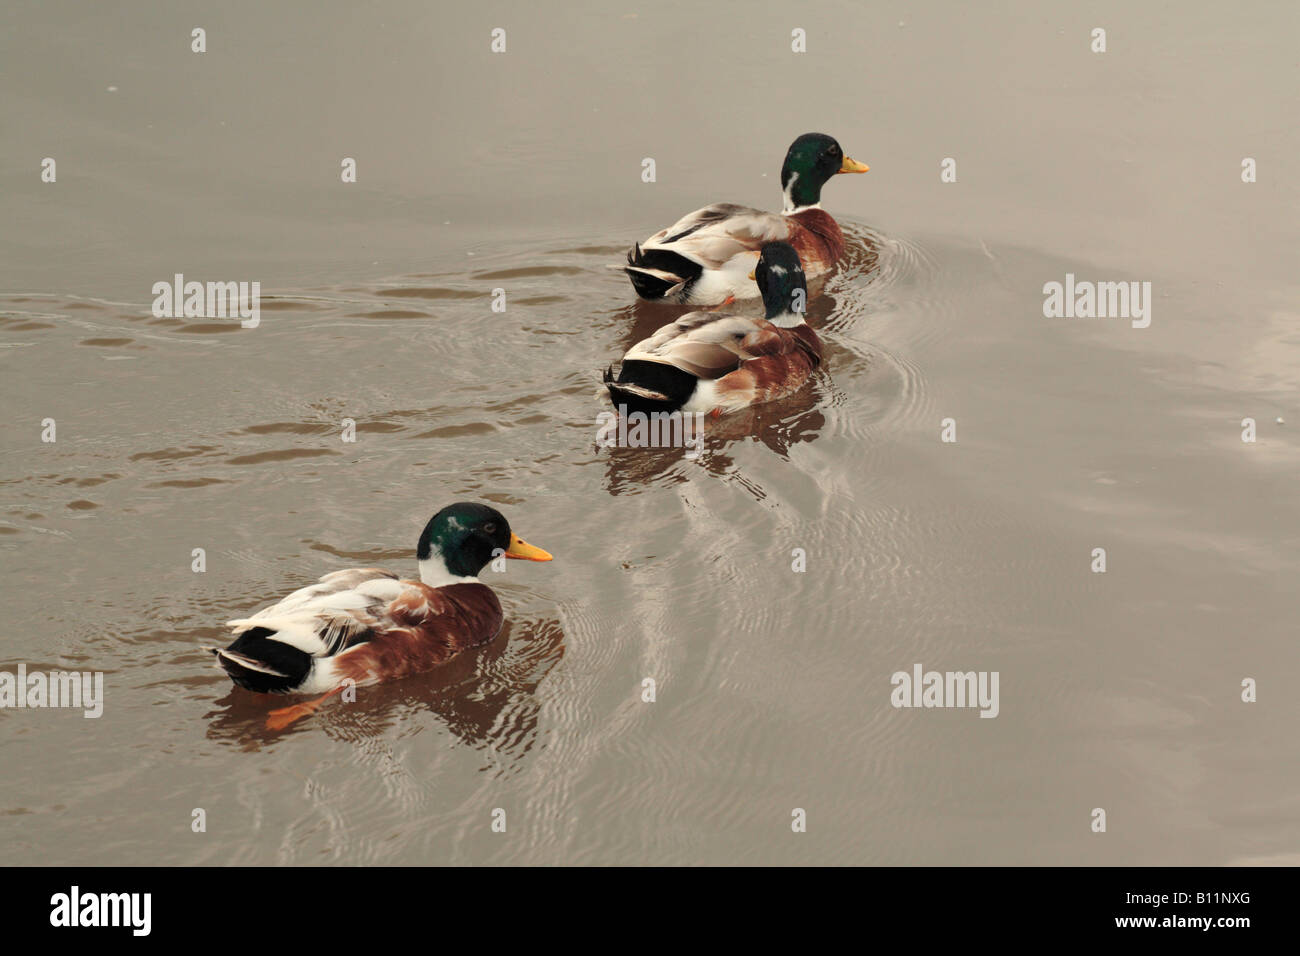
(714, 285)
(704, 398)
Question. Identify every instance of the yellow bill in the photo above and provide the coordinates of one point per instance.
(853, 166)
(521, 549)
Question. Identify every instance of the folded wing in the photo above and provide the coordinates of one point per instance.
(714, 235)
(708, 344)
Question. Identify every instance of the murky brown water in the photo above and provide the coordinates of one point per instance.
(522, 171)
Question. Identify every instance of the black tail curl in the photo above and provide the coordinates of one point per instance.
(649, 387)
(680, 271)
(290, 665)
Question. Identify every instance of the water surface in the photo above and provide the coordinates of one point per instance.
(522, 171)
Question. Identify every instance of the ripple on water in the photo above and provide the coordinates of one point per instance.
(659, 558)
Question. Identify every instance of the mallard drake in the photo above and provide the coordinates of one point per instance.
(365, 625)
(707, 255)
(717, 362)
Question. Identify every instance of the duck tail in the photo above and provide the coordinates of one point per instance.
(649, 387)
(258, 662)
(658, 274)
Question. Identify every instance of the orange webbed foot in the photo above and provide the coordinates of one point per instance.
(285, 716)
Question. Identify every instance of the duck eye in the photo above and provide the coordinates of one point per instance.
(490, 528)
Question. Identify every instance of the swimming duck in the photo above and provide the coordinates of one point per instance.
(717, 362)
(367, 626)
(707, 255)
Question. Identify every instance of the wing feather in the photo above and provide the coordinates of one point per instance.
(339, 611)
(709, 344)
(716, 234)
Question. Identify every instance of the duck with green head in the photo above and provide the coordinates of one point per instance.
(365, 625)
(706, 257)
(716, 362)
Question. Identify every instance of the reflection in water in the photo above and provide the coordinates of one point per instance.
(777, 425)
(486, 697)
